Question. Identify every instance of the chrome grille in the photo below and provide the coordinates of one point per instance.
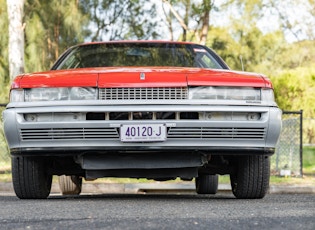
(165, 93)
(216, 133)
(68, 133)
(112, 133)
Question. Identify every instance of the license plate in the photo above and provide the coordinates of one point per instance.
(143, 133)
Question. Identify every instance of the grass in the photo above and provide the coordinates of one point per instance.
(309, 160)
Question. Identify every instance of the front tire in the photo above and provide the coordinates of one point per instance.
(251, 177)
(30, 178)
(207, 184)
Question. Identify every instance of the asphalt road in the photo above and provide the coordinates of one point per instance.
(158, 211)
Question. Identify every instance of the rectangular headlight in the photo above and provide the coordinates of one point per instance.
(17, 95)
(224, 93)
(53, 94)
(46, 94)
(82, 93)
(267, 95)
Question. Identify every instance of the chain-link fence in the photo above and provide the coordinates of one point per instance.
(287, 160)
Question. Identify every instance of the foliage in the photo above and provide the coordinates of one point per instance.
(295, 90)
(4, 65)
(191, 16)
(295, 18)
(120, 19)
(298, 54)
(47, 35)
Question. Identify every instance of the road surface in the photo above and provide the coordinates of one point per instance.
(158, 211)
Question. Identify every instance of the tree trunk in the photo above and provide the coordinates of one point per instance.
(186, 18)
(16, 37)
(205, 21)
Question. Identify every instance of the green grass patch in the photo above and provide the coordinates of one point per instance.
(277, 180)
(305, 180)
(5, 177)
(309, 160)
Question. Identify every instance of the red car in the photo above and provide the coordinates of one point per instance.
(141, 109)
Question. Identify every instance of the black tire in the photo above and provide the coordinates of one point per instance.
(70, 185)
(251, 177)
(207, 184)
(30, 178)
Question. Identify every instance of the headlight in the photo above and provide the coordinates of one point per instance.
(224, 93)
(53, 94)
(17, 95)
(267, 95)
(231, 93)
(46, 94)
(80, 93)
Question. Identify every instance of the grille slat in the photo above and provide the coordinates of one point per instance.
(159, 93)
(69, 133)
(217, 133)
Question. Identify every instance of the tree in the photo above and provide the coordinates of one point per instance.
(49, 34)
(205, 22)
(295, 18)
(198, 13)
(16, 37)
(4, 64)
(295, 90)
(120, 19)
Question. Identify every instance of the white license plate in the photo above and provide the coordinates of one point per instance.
(143, 133)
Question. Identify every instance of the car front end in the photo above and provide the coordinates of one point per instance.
(141, 121)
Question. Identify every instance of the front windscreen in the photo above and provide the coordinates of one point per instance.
(139, 54)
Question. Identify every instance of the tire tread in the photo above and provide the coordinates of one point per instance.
(30, 178)
(252, 177)
(207, 184)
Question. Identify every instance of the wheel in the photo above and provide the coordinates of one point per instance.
(70, 185)
(251, 178)
(30, 178)
(207, 184)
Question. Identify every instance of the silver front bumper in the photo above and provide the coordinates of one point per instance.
(64, 134)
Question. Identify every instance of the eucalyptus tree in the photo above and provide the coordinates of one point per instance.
(51, 27)
(120, 19)
(192, 16)
(295, 18)
(4, 64)
(261, 32)
(16, 37)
